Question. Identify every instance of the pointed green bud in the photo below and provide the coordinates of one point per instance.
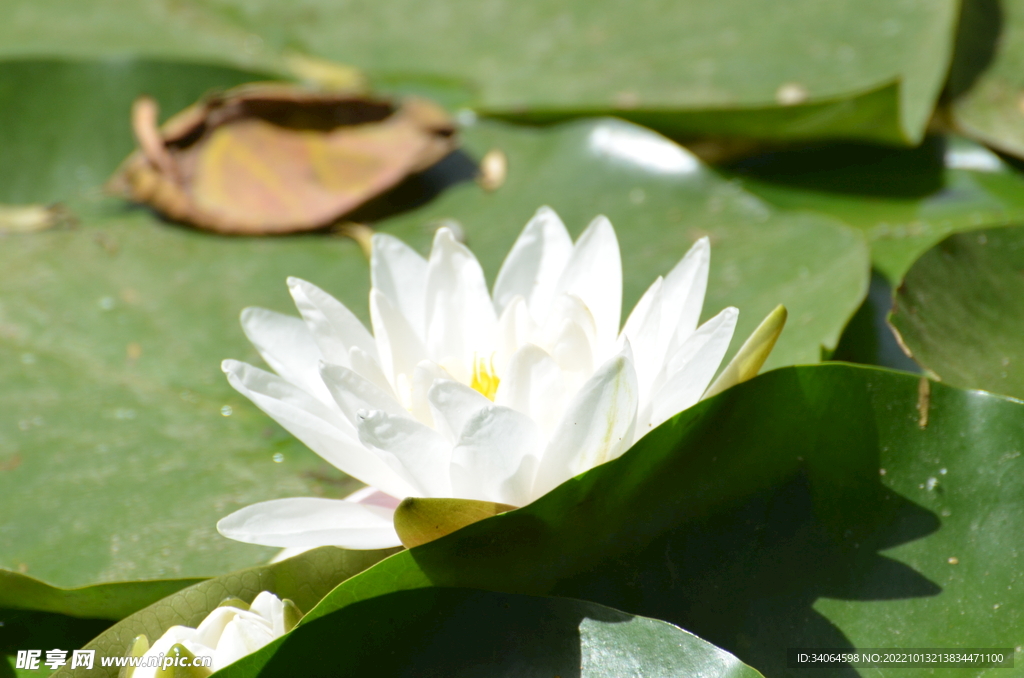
(138, 647)
(421, 520)
(185, 665)
(234, 602)
(748, 360)
(292, 614)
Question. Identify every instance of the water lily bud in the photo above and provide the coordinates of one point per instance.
(227, 634)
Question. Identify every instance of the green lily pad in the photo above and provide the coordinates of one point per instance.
(64, 125)
(854, 69)
(960, 310)
(904, 200)
(987, 78)
(661, 200)
(829, 506)
(495, 634)
(121, 443)
(101, 601)
(304, 579)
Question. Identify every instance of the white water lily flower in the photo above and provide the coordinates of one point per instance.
(458, 393)
(227, 634)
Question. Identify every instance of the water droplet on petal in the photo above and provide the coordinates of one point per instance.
(278, 457)
(953, 560)
(942, 471)
(931, 483)
(226, 411)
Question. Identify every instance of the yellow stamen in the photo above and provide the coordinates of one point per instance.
(485, 379)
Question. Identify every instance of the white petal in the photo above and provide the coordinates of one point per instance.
(417, 453)
(717, 329)
(399, 347)
(210, 629)
(690, 371)
(311, 522)
(271, 608)
(594, 274)
(423, 377)
(322, 428)
(515, 328)
(573, 354)
(567, 307)
(683, 294)
(353, 393)
(642, 331)
(240, 637)
(287, 346)
(451, 405)
(461, 323)
(533, 384)
(496, 456)
(534, 264)
(597, 426)
(334, 328)
(368, 367)
(400, 273)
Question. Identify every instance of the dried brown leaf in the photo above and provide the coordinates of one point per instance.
(277, 158)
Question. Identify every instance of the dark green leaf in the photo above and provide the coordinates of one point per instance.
(27, 629)
(987, 77)
(810, 507)
(905, 201)
(464, 633)
(960, 310)
(305, 579)
(869, 339)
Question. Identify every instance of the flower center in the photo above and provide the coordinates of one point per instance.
(485, 380)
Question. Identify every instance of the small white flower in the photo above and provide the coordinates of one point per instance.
(227, 634)
(461, 394)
